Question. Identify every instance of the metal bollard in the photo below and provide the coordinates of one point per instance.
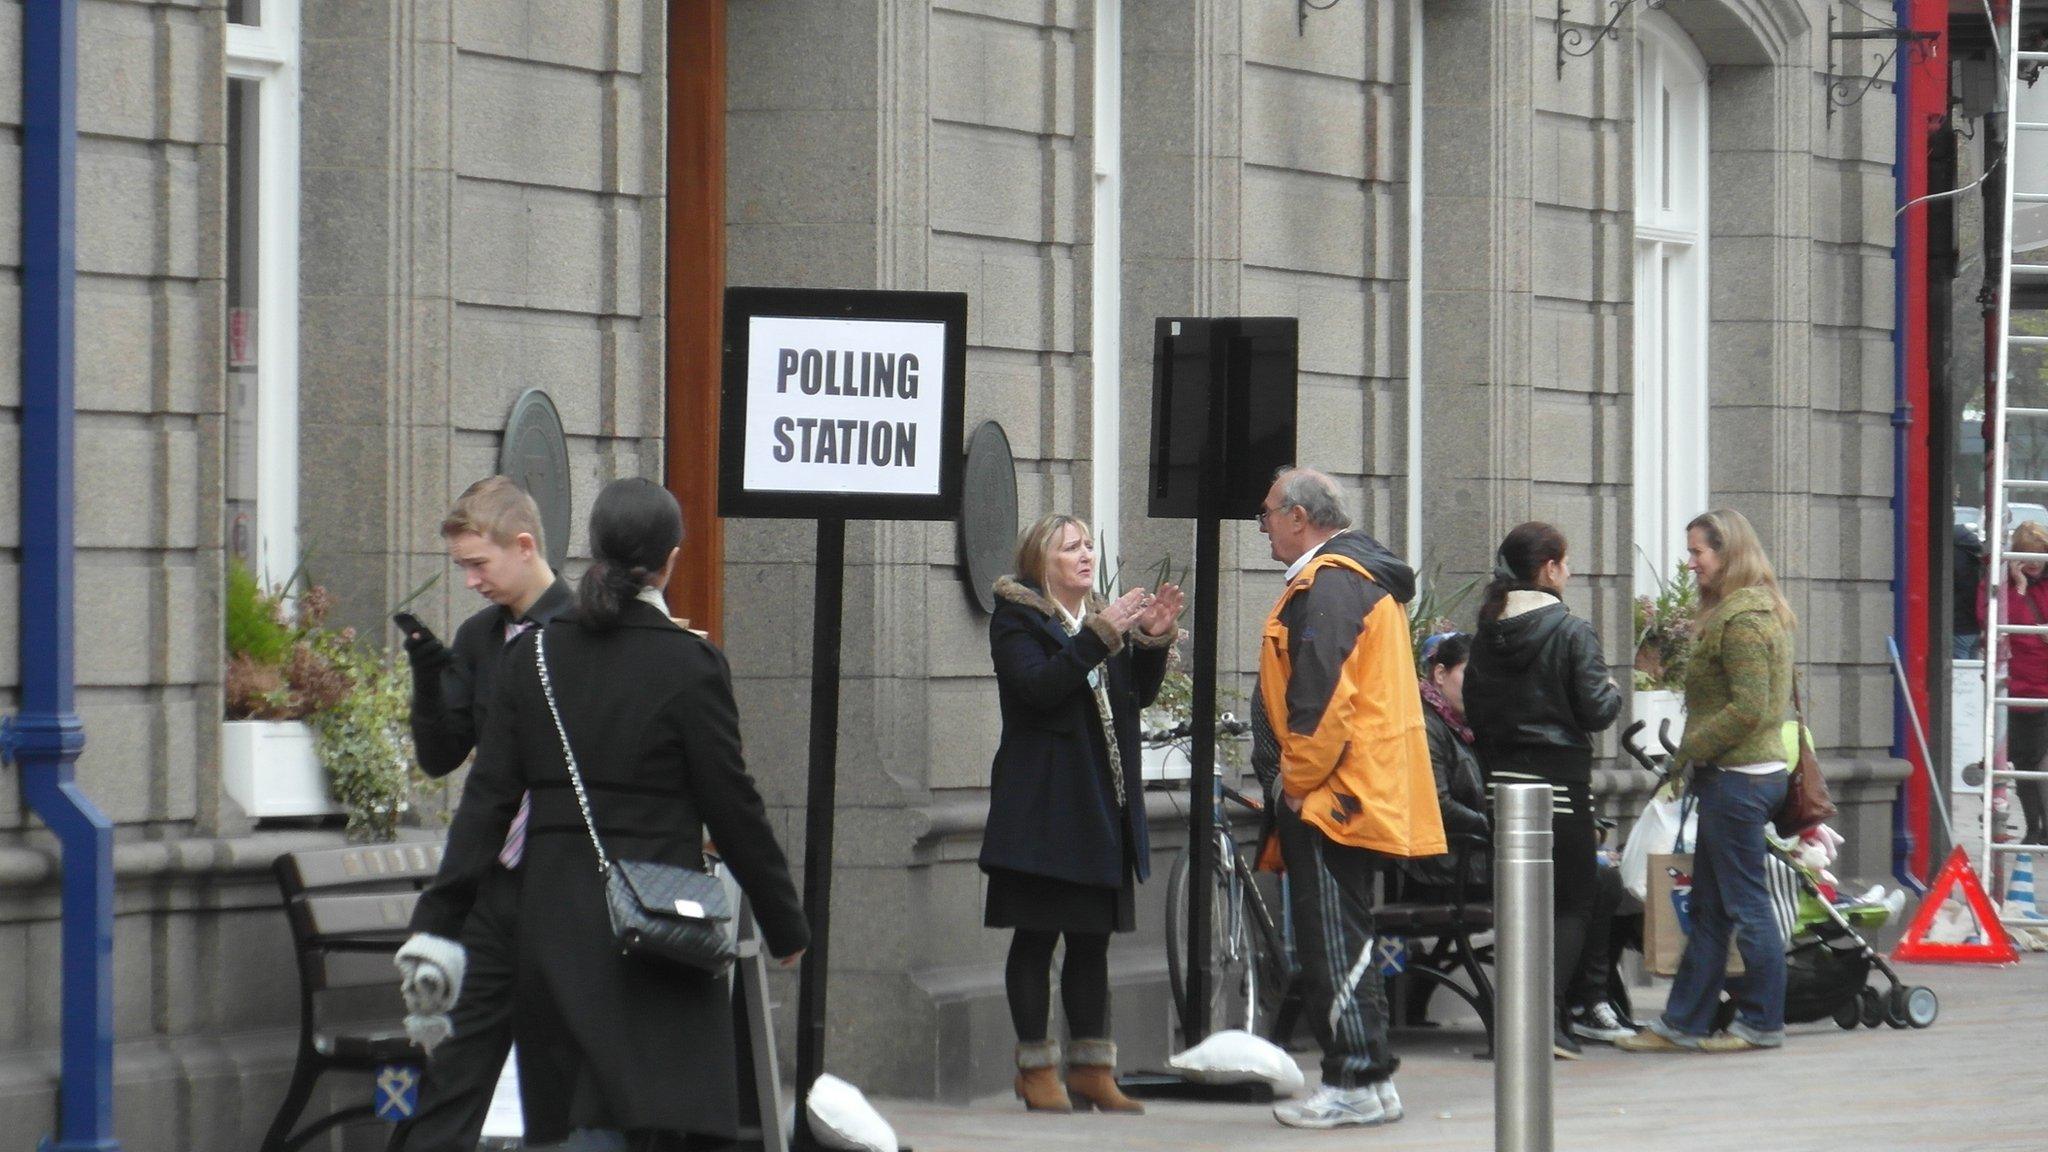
(1525, 1013)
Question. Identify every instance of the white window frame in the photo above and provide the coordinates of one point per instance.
(269, 56)
(1106, 277)
(1671, 296)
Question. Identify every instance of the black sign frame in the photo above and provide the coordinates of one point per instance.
(742, 305)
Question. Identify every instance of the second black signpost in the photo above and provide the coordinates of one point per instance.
(837, 406)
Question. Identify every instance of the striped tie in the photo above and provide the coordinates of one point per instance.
(515, 836)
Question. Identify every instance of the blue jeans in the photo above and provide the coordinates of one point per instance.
(1728, 892)
(1965, 645)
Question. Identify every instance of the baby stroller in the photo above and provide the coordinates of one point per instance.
(1827, 959)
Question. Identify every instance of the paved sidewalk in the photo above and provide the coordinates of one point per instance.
(1968, 1083)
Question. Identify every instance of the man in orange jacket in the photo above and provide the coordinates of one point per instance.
(1337, 732)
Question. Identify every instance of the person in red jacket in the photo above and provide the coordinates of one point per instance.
(2026, 660)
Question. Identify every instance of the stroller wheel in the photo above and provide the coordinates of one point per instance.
(1921, 1005)
(1849, 1013)
(1895, 1007)
(1869, 1007)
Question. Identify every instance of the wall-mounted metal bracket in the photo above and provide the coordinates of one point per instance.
(1849, 91)
(1575, 40)
(1303, 7)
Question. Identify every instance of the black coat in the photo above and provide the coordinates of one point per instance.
(1052, 806)
(1460, 797)
(1536, 688)
(649, 710)
(451, 696)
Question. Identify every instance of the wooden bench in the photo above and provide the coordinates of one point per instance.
(348, 909)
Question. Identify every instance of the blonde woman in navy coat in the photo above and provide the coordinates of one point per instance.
(1066, 843)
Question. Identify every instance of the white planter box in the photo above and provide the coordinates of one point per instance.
(1656, 706)
(272, 768)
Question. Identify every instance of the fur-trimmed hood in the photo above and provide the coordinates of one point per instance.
(1011, 590)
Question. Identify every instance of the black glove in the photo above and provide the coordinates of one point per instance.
(425, 650)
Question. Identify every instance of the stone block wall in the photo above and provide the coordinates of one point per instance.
(482, 194)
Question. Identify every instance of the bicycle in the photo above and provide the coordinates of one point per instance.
(1250, 960)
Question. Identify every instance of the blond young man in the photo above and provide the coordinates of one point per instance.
(494, 536)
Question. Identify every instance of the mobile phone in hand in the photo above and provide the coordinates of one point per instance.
(408, 623)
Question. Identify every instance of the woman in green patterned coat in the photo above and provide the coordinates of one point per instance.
(1738, 692)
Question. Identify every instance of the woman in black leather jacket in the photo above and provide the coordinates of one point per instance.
(1536, 690)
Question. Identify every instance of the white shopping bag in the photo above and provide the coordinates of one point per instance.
(1656, 830)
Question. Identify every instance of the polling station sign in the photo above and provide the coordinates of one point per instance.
(842, 404)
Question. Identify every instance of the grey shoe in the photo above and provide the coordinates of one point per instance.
(1657, 1036)
(1742, 1037)
(1390, 1101)
(1333, 1107)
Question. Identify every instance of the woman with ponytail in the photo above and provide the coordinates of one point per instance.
(606, 1040)
(1536, 690)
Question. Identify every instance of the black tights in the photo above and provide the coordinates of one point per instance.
(1084, 984)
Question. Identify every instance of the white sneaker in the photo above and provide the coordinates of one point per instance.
(1390, 1101)
(1600, 1022)
(1333, 1107)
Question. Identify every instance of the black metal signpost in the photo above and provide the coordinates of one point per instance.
(836, 406)
(1223, 420)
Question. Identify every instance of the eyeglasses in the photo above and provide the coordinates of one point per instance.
(1260, 519)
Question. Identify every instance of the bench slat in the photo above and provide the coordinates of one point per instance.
(331, 970)
(415, 861)
(352, 915)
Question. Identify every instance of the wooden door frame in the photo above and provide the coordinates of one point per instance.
(695, 306)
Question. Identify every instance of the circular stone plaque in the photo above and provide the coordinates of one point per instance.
(536, 454)
(988, 512)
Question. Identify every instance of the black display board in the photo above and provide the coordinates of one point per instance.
(1223, 409)
(842, 404)
(1223, 421)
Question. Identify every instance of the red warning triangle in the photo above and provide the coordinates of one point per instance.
(1993, 946)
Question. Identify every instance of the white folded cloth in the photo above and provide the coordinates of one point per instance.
(430, 969)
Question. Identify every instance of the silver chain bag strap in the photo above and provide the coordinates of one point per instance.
(658, 911)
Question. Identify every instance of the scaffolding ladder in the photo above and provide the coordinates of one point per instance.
(2022, 136)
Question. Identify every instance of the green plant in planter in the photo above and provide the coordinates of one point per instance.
(1432, 609)
(284, 663)
(365, 739)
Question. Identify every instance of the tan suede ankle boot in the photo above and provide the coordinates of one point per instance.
(1091, 1078)
(1038, 1081)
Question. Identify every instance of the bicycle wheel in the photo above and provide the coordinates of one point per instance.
(1246, 963)
(1269, 971)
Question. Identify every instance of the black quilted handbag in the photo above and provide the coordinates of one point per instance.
(658, 911)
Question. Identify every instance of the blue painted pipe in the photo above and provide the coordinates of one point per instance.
(47, 736)
(1902, 426)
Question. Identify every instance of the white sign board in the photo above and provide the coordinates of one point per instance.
(845, 406)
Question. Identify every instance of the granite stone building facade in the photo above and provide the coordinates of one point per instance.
(1611, 281)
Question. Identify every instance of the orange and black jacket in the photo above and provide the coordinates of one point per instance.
(1337, 682)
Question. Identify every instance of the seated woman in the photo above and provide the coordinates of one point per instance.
(1461, 797)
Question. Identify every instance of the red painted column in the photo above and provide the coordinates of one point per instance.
(1923, 69)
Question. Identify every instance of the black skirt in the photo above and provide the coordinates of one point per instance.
(1045, 904)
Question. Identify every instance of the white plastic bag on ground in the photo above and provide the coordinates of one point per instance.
(1656, 830)
(842, 1118)
(1234, 1056)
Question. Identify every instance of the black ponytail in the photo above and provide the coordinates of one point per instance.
(1522, 554)
(633, 527)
